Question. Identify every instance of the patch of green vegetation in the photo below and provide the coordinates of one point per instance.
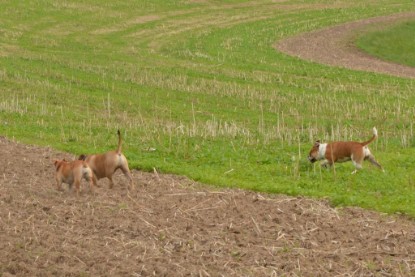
(198, 89)
(394, 43)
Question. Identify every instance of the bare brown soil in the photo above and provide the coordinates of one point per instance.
(334, 46)
(172, 226)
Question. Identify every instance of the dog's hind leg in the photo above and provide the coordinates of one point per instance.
(357, 160)
(127, 174)
(77, 186)
(372, 160)
(357, 167)
(126, 170)
(91, 180)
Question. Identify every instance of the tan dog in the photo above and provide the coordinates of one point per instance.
(72, 173)
(342, 151)
(105, 165)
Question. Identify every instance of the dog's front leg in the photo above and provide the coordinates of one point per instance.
(326, 163)
(95, 179)
(58, 183)
(111, 181)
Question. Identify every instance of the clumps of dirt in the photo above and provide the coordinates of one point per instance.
(335, 46)
(172, 226)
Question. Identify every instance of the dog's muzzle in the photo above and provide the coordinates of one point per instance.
(312, 159)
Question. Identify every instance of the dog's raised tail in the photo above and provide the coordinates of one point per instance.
(375, 135)
(119, 142)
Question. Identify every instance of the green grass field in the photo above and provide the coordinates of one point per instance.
(395, 43)
(202, 84)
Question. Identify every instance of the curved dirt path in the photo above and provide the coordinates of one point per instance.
(334, 46)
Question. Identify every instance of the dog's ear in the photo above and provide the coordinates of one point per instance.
(317, 143)
(55, 162)
(82, 157)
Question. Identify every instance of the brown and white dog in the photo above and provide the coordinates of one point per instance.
(105, 165)
(343, 151)
(72, 173)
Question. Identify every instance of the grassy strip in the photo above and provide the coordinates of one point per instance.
(395, 43)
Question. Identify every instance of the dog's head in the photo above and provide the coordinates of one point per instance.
(314, 152)
(58, 163)
(82, 157)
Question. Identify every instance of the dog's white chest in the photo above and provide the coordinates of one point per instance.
(322, 151)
